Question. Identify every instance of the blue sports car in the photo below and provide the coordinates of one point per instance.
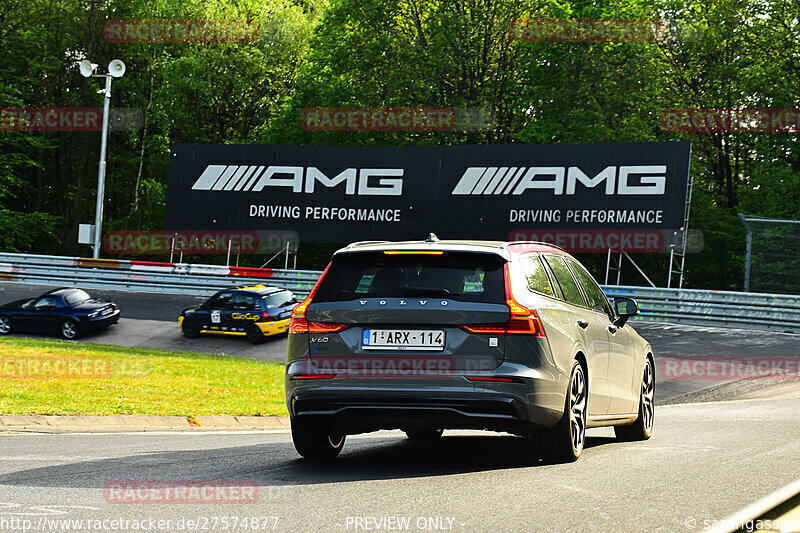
(68, 312)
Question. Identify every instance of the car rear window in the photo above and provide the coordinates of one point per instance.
(462, 276)
(76, 297)
(279, 299)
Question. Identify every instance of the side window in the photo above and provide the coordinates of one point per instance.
(46, 302)
(244, 302)
(556, 286)
(536, 275)
(221, 302)
(596, 296)
(572, 293)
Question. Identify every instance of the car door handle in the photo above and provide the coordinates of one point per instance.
(582, 323)
(612, 328)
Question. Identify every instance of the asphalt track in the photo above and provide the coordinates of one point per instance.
(704, 462)
(149, 321)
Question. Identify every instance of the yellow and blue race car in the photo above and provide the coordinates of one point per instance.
(254, 311)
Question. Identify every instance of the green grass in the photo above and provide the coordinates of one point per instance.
(51, 377)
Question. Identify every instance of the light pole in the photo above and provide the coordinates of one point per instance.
(115, 70)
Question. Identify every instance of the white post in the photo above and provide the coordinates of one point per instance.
(101, 172)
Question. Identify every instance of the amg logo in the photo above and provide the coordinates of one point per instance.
(561, 180)
(363, 182)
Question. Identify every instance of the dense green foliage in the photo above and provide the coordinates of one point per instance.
(312, 53)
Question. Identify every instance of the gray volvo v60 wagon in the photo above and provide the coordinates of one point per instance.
(430, 335)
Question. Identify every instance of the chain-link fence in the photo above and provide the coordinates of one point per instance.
(772, 262)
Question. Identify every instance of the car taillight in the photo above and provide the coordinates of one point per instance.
(523, 321)
(314, 376)
(485, 328)
(298, 322)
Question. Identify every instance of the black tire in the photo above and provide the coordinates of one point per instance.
(315, 440)
(189, 328)
(642, 429)
(254, 334)
(69, 329)
(424, 434)
(564, 443)
(6, 326)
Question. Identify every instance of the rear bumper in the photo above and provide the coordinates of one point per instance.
(273, 328)
(362, 405)
(93, 324)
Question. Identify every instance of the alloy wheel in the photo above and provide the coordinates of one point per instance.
(648, 395)
(68, 330)
(577, 409)
(5, 325)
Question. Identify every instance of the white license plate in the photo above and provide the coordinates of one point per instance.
(402, 339)
(107, 311)
(286, 314)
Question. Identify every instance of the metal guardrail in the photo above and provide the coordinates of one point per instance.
(174, 278)
(777, 312)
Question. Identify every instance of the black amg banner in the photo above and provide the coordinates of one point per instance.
(499, 192)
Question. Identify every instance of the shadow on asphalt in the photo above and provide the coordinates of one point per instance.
(277, 464)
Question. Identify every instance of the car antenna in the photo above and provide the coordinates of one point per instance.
(432, 238)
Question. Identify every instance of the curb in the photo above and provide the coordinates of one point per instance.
(67, 423)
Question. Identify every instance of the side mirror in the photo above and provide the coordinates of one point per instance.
(625, 308)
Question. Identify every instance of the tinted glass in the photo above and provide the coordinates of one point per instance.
(596, 296)
(76, 297)
(572, 293)
(556, 287)
(459, 276)
(279, 299)
(47, 301)
(221, 302)
(243, 301)
(536, 275)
